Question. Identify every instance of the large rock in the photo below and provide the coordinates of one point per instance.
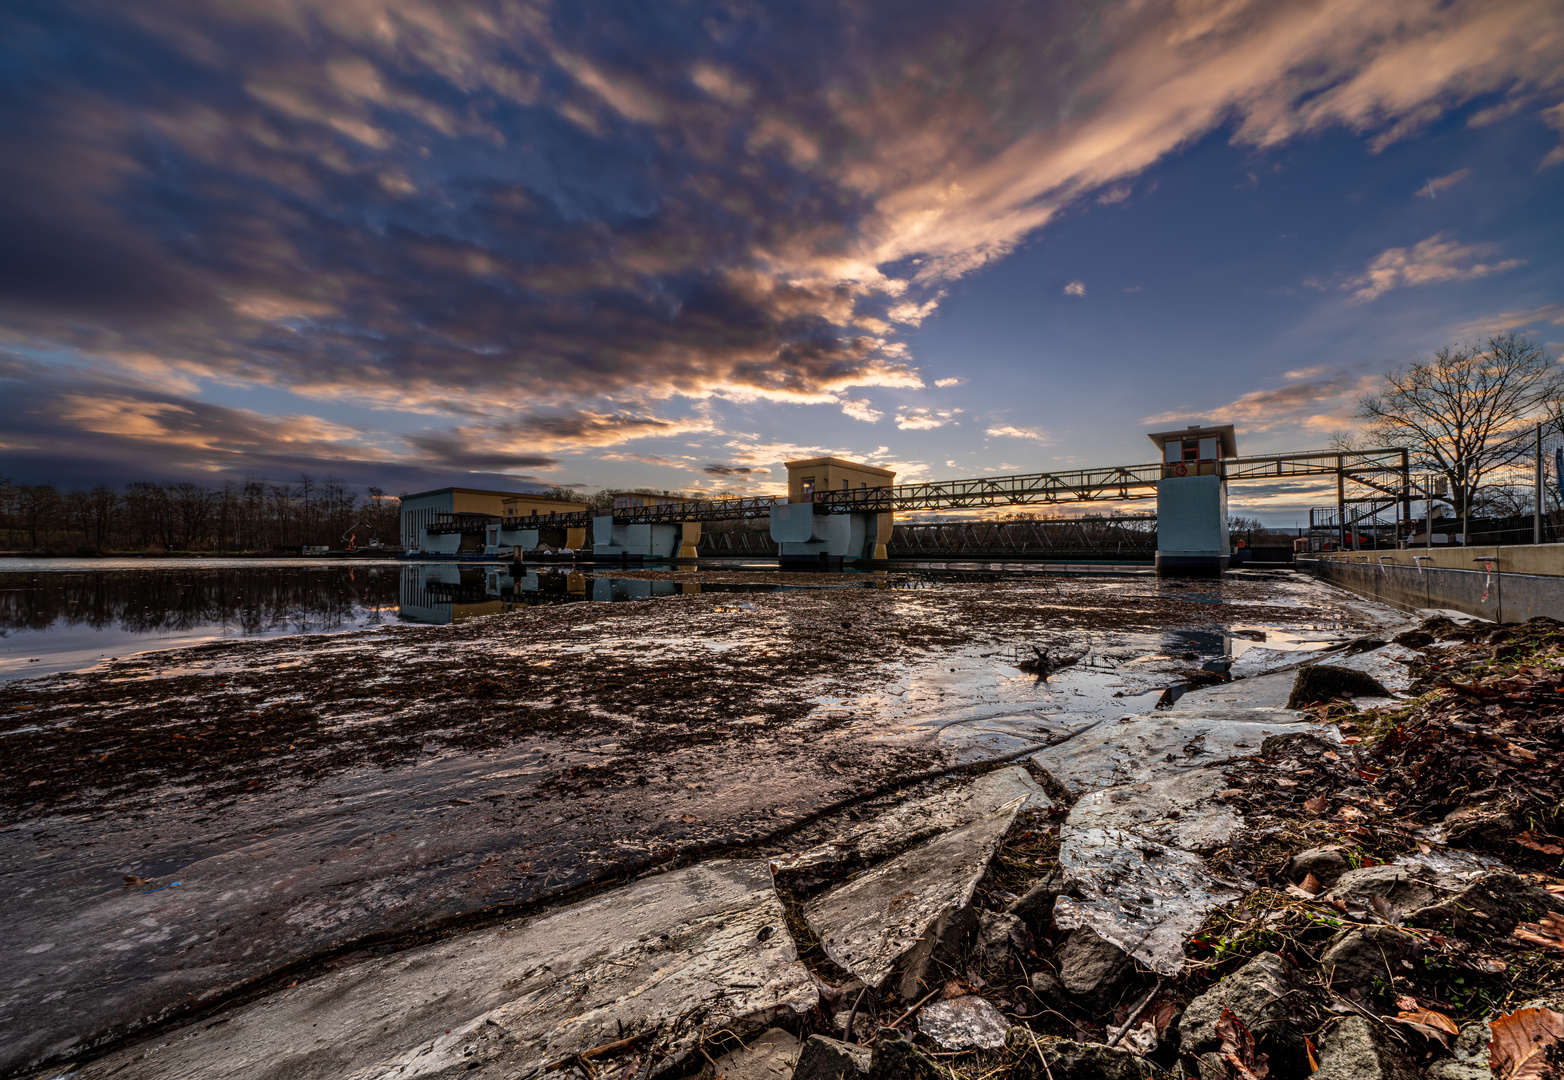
(511, 1000)
(1488, 907)
(1355, 1049)
(1257, 994)
(1386, 665)
(1468, 1058)
(1366, 960)
(1036, 906)
(1322, 682)
(1402, 887)
(905, 905)
(830, 1059)
(917, 820)
(1180, 810)
(1091, 968)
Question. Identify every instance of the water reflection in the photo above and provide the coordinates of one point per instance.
(441, 593)
(59, 620)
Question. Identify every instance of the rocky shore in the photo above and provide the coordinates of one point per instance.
(1341, 863)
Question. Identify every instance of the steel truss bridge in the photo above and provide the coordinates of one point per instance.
(1385, 473)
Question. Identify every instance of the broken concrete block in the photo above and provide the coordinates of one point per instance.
(1402, 887)
(995, 932)
(1386, 665)
(1491, 905)
(1257, 994)
(1180, 810)
(1090, 967)
(1367, 958)
(1141, 895)
(1036, 905)
(1140, 748)
(1357, 1050)
(1322, 682)
(870, 923)
(768, 1056)
(830, 1059)
(964, 1022)
(918, 820)
(522, 995)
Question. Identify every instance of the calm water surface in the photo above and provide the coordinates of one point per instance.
(64, 615)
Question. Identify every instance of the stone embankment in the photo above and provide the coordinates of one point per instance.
(1339, 868)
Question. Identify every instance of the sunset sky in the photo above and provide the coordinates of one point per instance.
(418, 242)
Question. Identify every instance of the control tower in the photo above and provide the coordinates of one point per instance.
(1192, 500)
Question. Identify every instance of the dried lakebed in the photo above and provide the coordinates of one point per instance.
(322, 801)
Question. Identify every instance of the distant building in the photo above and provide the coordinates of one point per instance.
(633, 500)
(421, 510)
(808, 476)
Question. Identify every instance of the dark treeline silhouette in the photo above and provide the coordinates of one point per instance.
(251, 516)
(167, 601)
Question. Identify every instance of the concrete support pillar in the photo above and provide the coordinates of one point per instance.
(689, 539)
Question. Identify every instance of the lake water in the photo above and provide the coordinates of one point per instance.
(65, 615)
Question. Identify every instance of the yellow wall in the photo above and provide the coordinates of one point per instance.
(828, 474)
(525, 505)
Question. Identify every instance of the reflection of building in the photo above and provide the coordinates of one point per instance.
(442, 593)
(488, 520)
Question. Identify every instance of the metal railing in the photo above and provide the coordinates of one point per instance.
(1120, 483)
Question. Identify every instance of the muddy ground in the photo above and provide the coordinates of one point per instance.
(181, 829)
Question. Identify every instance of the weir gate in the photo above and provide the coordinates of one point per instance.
(828, 518)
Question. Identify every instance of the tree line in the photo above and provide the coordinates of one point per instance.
(253, 515)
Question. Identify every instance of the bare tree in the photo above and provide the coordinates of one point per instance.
(1456, 410)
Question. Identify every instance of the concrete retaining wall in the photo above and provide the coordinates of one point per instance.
(1502, 597)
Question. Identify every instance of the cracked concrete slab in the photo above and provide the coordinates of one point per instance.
(674, 954)
(1138, 748)
(1143, 896)
(868, 924)
(920, 819)
(1261, 698)
(1180, 810)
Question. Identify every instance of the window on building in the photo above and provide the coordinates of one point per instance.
(808, 487)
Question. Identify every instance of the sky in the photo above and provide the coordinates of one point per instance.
(414, 243)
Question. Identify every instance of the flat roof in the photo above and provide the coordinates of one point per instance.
(839, 461)
(1195, 431)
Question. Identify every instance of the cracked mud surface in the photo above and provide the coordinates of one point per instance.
(331, 793)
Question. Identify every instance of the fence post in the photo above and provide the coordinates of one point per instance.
(1536, 505)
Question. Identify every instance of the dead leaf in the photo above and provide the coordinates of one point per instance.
(1536, 843)
(1238, 1049)
(953, 989)
(1385, 910)
(1352, 813)
(1521, 1041)
(689, 819)
(1429, 1022)
(1548, 933)
(1406, 1002)
(1230, 793)
(1310, 884)
(1554, 887)
(834, 767)
(1316, 805)
(1331, 755)
(1485, 964)
(1314, 1060)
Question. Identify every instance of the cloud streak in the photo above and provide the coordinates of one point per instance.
(444, 208)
